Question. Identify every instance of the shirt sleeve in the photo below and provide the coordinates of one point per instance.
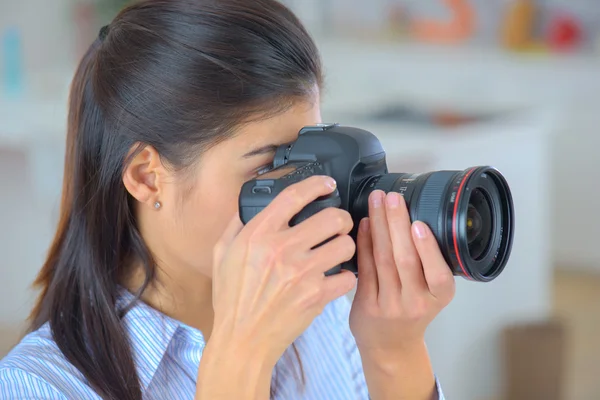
(342, 308)
(17, 384)
(439, 389)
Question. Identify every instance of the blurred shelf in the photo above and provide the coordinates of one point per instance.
(362, 75)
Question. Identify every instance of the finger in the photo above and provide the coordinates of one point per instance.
(318, 228)
(229, 234)
(340, 249)
(291, 201)
(387, 273)
(438, 275)
(335, 286)
(406, 255)
(367, 286)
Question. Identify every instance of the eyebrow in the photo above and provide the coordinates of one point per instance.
(270, 148)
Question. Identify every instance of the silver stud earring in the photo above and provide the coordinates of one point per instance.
(157, 205)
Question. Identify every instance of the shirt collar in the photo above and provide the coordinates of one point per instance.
(150, 334)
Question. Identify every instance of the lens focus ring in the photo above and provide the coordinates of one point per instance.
(429, 202)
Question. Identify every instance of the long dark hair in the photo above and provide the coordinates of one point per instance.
(178, 75)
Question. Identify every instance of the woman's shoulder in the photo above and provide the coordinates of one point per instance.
(327, 355)
(36, 368)
(337, 313)
(329, 336)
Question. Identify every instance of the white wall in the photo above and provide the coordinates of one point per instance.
(17, 224)
(47, 30)
(31, 183)
(575, 177)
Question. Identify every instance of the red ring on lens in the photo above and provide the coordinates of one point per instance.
(455, 224)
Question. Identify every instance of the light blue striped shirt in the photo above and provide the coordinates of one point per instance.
(167, 355)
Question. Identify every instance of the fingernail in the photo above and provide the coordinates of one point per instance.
(364, 225)
(377, 198)
(331, 183)
(420, 229)
(393, 200)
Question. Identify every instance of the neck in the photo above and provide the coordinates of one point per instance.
(185, 297)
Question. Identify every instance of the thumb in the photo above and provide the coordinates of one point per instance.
(437, 272)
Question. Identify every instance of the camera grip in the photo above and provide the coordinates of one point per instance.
(256, 195)
(323, 202)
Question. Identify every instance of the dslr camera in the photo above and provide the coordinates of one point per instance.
(470, 212)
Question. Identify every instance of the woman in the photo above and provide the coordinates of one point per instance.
(153, 289)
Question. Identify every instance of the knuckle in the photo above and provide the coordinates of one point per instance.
(338, 219)
(408, 259)
(290, 277)
(312, 297)
(291, 195)
(442, 284)
(348, 246)
(219, 247)
(218, 251)
(329, 214)
(348, 221)
(383, 259)
(442, 280)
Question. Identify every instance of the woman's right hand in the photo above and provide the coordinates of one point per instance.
(268, 279)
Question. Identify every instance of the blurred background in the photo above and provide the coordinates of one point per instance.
(444, 84)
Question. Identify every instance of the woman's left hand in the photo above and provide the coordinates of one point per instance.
(403, 281)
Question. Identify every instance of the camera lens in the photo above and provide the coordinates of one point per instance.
(479, 223)
(470, 213)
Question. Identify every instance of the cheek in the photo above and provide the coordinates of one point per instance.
(204, 216)
(219, 209)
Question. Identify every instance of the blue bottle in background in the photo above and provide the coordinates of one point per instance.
(11, 58)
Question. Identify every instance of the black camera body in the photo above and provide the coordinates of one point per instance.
(470, 212)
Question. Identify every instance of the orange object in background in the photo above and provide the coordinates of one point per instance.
(517, 28)
(459, 28)
(450, 119)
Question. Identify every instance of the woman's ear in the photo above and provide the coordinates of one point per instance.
(144, 176)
